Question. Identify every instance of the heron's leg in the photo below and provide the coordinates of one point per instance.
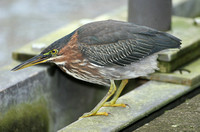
(100, 104)
(116, 96)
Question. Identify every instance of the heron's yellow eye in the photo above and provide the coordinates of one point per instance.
(54, 51)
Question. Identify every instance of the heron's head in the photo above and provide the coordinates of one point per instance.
(49, 54)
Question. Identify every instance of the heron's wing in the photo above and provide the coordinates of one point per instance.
(121, 43)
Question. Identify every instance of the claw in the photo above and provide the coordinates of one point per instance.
(181, 70)
(128, 105)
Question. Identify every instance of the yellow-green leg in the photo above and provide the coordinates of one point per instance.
(112, 103)
(100, 104)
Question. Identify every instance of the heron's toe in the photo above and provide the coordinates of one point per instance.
(112, 104)
(93, 114)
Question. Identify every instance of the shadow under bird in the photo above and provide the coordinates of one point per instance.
(104, 51)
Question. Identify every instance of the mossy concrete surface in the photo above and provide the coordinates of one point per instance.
(141, 101)
(183, 118)
(188, 32)
(187, 75)
(25, 117)
(19, 95)
(67, 98)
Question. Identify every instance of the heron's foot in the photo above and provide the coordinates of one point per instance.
(113, 104)
(93, 114)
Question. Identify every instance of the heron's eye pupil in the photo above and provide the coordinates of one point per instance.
(54, 51)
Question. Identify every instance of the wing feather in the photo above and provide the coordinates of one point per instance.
(120, 43)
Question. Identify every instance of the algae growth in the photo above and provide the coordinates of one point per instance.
(25, 118)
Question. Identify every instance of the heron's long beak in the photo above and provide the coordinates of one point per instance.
(33, 61)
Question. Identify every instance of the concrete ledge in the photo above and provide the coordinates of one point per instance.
(190, 77)
(142, 101)
(65, 98)
(183, 115)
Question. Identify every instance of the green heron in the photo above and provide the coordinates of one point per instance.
(104, 51)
